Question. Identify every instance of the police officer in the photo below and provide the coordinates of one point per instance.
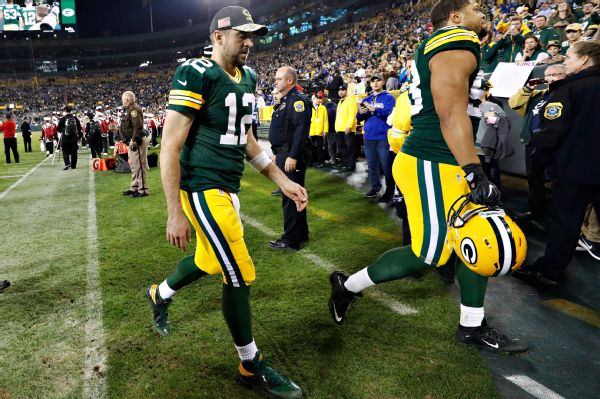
(288, 135)
(132, 129)
(569, 139)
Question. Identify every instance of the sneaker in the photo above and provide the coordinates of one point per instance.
(4, 284)
(257, 374)
(67, 167)
(159, 310)
(372, 194)
(593, 248)
(486, 337)
(340, 298)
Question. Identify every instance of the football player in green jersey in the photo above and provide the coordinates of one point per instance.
(436, 166)
(206, 138)
(29, 15)
(13, 20)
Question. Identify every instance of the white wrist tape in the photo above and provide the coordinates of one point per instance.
(260, 161)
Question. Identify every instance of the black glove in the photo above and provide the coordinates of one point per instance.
(138, 140)
(483, 192)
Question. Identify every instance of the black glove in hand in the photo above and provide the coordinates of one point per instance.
(138, 140)
(483, 192)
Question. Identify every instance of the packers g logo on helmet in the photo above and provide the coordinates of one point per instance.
(487, 241)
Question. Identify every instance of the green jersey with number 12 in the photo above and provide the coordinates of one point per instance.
(29, 18)
(222, 105)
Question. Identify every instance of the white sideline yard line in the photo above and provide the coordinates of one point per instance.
(94, 379)
(10, 177)
(22, 179)
(533, 387)
(378, 296)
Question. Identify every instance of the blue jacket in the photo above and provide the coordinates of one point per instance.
(376, 127)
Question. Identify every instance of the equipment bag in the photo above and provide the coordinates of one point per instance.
(70, 133)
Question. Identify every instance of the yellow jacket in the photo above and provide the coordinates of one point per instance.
(401, 122)
(345, 117)
(319, 122)
(502, 27)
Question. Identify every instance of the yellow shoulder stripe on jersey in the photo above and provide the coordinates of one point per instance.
(185, 98)
(185, 103)
(186, 93)
(457, 38)
(459, 34)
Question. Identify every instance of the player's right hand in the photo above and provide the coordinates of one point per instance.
(483, 191)
(178, 230)
(296, 193)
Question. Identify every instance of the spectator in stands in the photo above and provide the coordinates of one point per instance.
(374, 110)
(574, 34)
(512, 41)
(345, 127)
(568, 135)
(542, 31)
(335, 84)
(26, 132)
(562, 19)
(70, 131)
(545, 10)
(528, 102)
(532, 51)
(319, 126)
(590, 16)
(392, 82)
(9, 129)
(553, 50)
(489, 52)
(590, 32)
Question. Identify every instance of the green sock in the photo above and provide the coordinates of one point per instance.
(395, 264)
(235, 305)
(186, 273)
(472, 286)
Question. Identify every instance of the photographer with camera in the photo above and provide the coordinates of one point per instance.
(528, 102)
(512, 42)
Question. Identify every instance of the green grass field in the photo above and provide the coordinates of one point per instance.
(377, 354)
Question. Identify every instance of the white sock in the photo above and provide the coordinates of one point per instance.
(470, 317)
(165, 291)
(247, 352)
(359, 281)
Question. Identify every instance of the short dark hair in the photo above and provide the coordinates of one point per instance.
(8, 115)
(541, 16)
(591, 48)
(440, 12)
(68, 109)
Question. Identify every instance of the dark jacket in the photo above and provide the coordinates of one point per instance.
(290, 124)
(26, 129)
(331, 112)
(570, 121)
(132, 123)
(62, 122)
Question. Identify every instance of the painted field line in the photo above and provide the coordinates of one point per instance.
(376, 295)
(22, 179)
(10, 177)
(94, 377)
(533, 387)
(582, 313)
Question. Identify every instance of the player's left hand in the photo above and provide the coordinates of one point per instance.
(296, 193)
(290, 164)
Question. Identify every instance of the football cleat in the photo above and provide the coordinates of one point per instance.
(487, 338)
(341, 298)
(159, 310)
(257, 374)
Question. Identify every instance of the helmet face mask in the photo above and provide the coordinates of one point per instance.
(485, 239)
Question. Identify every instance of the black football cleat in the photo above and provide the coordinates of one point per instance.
(487, 338)
(341, 298)
(159, 310)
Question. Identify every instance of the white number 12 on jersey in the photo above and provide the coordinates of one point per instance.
(230, 138)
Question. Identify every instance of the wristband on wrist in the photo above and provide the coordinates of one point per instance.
(260, 161)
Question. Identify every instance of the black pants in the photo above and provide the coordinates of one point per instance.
(27, 142)
(153, 141)
(342, 150)
(352, 149)
(50, 146)
(295, 225)
(95, 147)
(318, 152)
(10, 144)
(111, 138)
(569, 204)
(331, 146)
(536, 179)
(69, 151)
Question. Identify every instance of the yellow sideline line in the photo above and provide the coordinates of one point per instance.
(323, 214)
(376, 233)
(582, 313)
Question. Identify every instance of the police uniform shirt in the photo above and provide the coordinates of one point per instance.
(132, 123)
(290, 124)
(570, 121)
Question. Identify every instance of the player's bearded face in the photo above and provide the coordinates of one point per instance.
(237, 45)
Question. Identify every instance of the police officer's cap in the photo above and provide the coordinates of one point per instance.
(238, 18)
